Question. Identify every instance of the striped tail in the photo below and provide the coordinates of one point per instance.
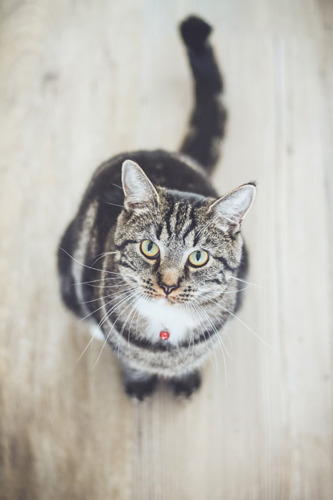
(207, 122)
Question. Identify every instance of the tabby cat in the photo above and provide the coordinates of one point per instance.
(157, 264)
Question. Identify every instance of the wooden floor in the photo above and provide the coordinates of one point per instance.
(82, 81)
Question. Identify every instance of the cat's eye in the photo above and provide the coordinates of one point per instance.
(149, 249)
(198, 258)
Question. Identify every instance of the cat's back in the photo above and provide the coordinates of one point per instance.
(172, 171)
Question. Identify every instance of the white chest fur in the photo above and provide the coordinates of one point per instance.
(176, 319)
(161, 316)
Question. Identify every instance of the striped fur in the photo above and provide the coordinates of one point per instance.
(167, 199)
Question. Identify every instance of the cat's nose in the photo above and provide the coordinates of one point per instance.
(168, 288)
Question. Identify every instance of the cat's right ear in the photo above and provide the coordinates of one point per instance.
(231, 209)
(140, 194)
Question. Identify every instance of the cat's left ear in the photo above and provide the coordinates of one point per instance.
(140, 194)
(231, 209)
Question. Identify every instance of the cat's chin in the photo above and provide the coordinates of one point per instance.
(163, 315)
(164, 301)
(167, 302)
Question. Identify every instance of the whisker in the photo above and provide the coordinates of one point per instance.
(132, 312)
(103, 280)
(136, 310)
(221, 323)
(114, 204)
(109, 295)
(92, 338)
(247, 282)
(85, 265)
(191, 335)
(244, 324)
(211, 352)
(114, 308)
(113, 325)
(101, 256)
(103, 305)
(236, 291)
(218, 337)
(85, 349)
(188, 347)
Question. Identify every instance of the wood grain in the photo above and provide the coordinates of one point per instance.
(82, 81)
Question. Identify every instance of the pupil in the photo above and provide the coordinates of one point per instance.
(150, 246)
(198, 255)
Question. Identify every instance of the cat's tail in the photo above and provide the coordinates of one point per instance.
(207, 122)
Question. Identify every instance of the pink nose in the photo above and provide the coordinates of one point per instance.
(168, 288)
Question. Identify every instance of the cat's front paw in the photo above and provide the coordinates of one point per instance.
(140, 389)
(186, 385)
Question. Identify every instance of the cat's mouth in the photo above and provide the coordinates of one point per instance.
(166, 301)
(169, 300)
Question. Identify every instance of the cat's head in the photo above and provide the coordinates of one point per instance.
(180, 247)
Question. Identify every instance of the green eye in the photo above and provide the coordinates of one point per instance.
(198, 258)
(149, 249)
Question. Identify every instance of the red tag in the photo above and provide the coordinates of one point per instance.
(164, 335)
